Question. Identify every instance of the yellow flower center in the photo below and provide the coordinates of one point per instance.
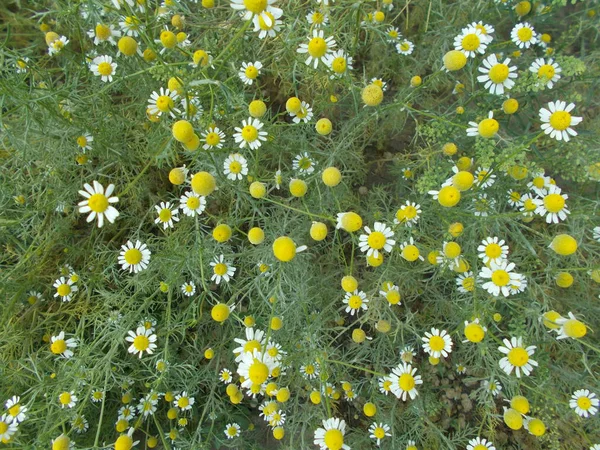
(480, 447)
(255, 6)
(14, 411)
(201, 57)
(317, 47)
(183, 402)
(560, 120)
(584, 403)
(3, 427)
(251, 72)
(525, 34)
(410, 253)
(376, 240)
(437, 343)
(493, 250)
(554, 202)
(405, 46)
(63, 290)
(575, 329)
(168, 39)
(474, 332)
(82, 141)
(220, 269)
(379, 433)
(393, 34)
(406, 382)
(309, 369)
(98, 203)
(133, 256)
(529, 205)
(546, 71)
(471, 42)
(515, 196)
(518, 356)
(468, 283)
(249, 133)
(141, 343)
(235, 167)
(252, 345)
(258, 372)
(212, 138)
(334, 439)
(58, 346)
(500, 277)
(164, 103)
(410, 212)
(355, 302)
(498, 73)
(193, 203)
(65, 398)
(339, 64)
(488, 127)
(102, 32)
(22, 64)
(452, 250)
(165, 215)
(261, 21)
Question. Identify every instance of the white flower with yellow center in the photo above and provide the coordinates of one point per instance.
(98, 202)
(256, 368)
(584, 402)
(404, 381)
(552, 204)
(518, 358)
(317, 18)
(393, 34)
(61, 346)
(487, 128)
(501, 278)
(385, 385)
(339, 63)
(408, 214)
(378, 431)
(212, 138)
(225, 376)
(163, 101)
(304, 164)
(570, 327)
(166, 214)
(16, 411)
(130, 25)
(126, 412)
(183, 401)
(480, 444)
(57, 45)
(376, 240)
(485, 29)
(103, 67)
(471, 41)
(250, 134)
(497, 76)
(260, 11)
(410, 251)
(331, 436)
(134, 258)
(84, 142)
(255, 340)
(21, 65)
(235, 167)
(557, 120)
(318, 48)
(493, 249)
(192, 204)
(80, 424)
(276, 418)
(528, 205)
(304, 114)
(269, 27)
(523, 35)
(188, 289)
(221, 270)
(310, 371)
(250, 71)
(232, 430)
(492, 386)
(8, 428)
(514, 198)
(104, 33)
(65, 288)
(67, 399)
(548, 72)
(379, 82)
(192, 108)
(465, 282)
(356, 301)
(437, 343)
(142, 340)
(405, 47)
(482, 205)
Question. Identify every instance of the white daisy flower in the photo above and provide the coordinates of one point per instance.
(192, 204)
(67, 399)
(405, 47)
(80, 424)
(404, 381)
(492, 386)
(255, 340)
(408, 214)
(142, 340)
(501, 277)
(61, 346)
(98, 202)
(235, 167)
(465, 282)
(540, 183)
(221, 270)
(65, 288)
(21, 65)
(183, 401)
(528, 205)
(126, 412)
(377, 239)
(232, 430)
(250, 71)
(333, 429)
(514, 199)
(303, 163)
(134, 258)
(250, 134)
(356, 301)
(497, 75)
(84, 142)
(557, 120)
(437, 344)
(493, 249)
(485, 29)
(379, 82)
(552, 205)
(486, 128)
(212, 138)
(131, 25)
(393, 34)
(378, 431)
(192, 108)
(523, 35)
(104, 33)
(317, 18)
(310, 371)
(256, 368)
(103, 67)
(471, 41)
(16, 411)
(339, 63)
(410, 251)
(188, 289)
(166, 215)
(518, 358)
(225, 376)
(480, 444)
(318, 47)
(57, 45)
(548, 72)
(268, 28)
(259, 11)
(584, 402)
(304, 114)
(163, 101)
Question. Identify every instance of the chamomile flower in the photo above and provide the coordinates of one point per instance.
(269, 27)
(57, 45)
(548, 72)
(497, 76)
(408, 214)
(221, 270)
(255, 340)
(492, 386)
(385, 385)
(98, 203)
(437, 343)
(126, 412)
(250, 71)
(528, 205)
(405, 47)
(378, 431)
(500, 276)
(480, 444)
(142, 340)
(192, 108)
(61, 346)
(465, 282)
(485, 29)
(250, 134)
(304, 114)
(256, 368)
(188, 289)
(482, 205)
(235, 167)
(33, 297)
(492, 249)
(104, 33)
(410, 251)
(212, 138)
(404, 381)
(16, 411)
(557, 120)
(471, 41)
(203, 59)
(67, 399)
(523, 35)
(393, 34)
(84, 141)
(232, 430)
(310, 371)
(552, 204)
(391, 293)
(514, 199)
(134, 258)
(8, 428)
(21, 65)
(518, 358)
(356, 301)
(65, 288)
(461, 369)
(303, 163)
(97, 396)
(584, 402)
(257, 10)
(80, 424)
(183, 401)
(379, 82)
(407, 354)
(163, 101)
(339, 63)
(167, 214)
(192, 204)
(540, 183)
(130, 25)
(276, 418)
(318, 47)
(317, 18)
(487, 128)
(376, 240)
(331, 435)
(570, 327)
